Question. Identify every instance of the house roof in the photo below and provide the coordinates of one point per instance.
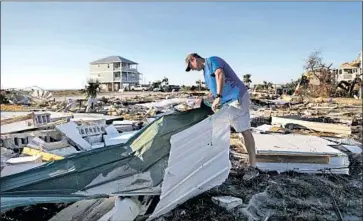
(353, 64)
(112, 59)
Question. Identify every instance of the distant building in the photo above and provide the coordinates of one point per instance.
(115, 72)
(350, 70)
(347, 71)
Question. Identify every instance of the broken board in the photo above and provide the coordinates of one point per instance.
(317, 126)
(300, 153)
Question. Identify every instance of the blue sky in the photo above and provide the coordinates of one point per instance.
(51, 44)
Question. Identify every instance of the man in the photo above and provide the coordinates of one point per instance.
(228, 89)
(92, 101)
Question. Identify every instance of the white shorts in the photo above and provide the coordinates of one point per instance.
(239, 113)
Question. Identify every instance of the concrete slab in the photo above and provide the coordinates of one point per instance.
(71, 132)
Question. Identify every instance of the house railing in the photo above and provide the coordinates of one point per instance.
(129, 80)
(124, 69)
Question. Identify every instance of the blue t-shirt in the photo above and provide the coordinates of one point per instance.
(233, 87)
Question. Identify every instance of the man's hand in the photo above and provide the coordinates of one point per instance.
(220, 84)
(216, 104)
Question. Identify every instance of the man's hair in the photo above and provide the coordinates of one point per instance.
(188, 58)
(195, 55)
(192, 55)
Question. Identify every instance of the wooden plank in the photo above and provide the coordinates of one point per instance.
(16, 119)
(290, 154)
(293, 159)
(45, 156)
(322, 127)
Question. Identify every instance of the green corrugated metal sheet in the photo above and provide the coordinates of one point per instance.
(100, 171)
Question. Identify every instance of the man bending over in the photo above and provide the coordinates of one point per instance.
(227, 88)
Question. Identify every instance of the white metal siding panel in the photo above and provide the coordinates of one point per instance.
(198, 161)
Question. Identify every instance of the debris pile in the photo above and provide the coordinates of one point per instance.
(28, 96)
(163, 156)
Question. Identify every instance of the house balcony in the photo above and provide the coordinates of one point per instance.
(130, 80)
(125, 69)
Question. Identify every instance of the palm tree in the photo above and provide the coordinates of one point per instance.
(270, 85)
(92, 88)
(265, 85)
(166, 81)
(247, 80)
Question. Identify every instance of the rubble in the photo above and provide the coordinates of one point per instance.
(28, 96)
(296, 161)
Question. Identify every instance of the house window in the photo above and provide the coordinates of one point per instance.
(99, 75)
(117, 75)
(108, 65)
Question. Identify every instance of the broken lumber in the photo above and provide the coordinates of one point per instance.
(321, 127)
(45, 156)
(300, 153)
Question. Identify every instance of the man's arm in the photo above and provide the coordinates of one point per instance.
(219, 80)
(220, 84)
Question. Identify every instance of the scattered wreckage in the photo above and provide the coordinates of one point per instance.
(145, 163)
(26, 96)
(148, 169)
